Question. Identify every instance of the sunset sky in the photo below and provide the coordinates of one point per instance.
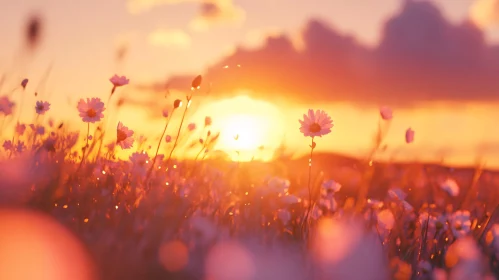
(267, 61)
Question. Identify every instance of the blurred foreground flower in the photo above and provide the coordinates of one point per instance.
(341, 247)
(316, 123)
(464, 259)
(92, 110)
(34, 246)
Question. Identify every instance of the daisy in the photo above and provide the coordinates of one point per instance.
(124, 136)
(386, 113)
(42, 107)
(92, 110)
(316, 123)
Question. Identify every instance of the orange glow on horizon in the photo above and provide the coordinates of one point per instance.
(245, 125)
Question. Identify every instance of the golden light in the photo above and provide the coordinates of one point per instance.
(245, 124)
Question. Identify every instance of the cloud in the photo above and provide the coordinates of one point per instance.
(210, 12)
(485, 12)
(217, 12)
(140, 6)
(170, 38)
(421, 57)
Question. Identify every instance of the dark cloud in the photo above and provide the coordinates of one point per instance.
(421, 56)
(210, 10)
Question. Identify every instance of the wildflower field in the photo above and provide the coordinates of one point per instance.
(73, 210)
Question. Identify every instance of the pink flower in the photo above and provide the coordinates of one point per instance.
(24, 83)
(165, 113)
(20, 147)
(124, 136)
(92, 110)
(409, 135)
(6, 105)
(191, 126)
(207, 121)
(168, 138)
(7, 145)
(316, 124)
(20, 128)
(40, 130)
(119, 81)
(386, 113)
(42, 107)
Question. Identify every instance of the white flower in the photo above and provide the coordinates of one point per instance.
(450, 186)
(386, 219)
(460, 223)
(316, 123)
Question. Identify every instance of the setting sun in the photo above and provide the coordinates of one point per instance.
(249, 128)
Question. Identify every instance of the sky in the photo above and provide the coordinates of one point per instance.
(266, 62)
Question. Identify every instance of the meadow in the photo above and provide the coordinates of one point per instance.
(72, 209)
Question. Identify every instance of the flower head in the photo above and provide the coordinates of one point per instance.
(409, 135)
(124, 136)
(316, 123)
(165, 113)
(207, 121)
(24, 83)
(20, 128)
(42, 107)
(40, 130)
(450, 186)
(177, 103)
(119, 81)
(386, 113)
(6, 105)
(460, 223)
(7, 145)
(91, 110)
(20, 146)
(168, 138)
(191, 126)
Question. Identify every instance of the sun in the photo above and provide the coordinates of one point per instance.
(249, 128)
(243, 132)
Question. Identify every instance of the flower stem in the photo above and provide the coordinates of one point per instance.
(159, 145)
(312, 146)
(104, 128)
(178, 132)
(86, 147)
